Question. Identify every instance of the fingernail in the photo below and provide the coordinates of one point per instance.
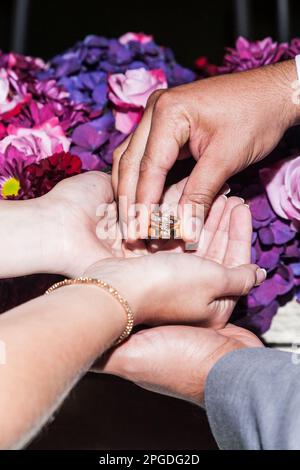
(224, 197)
(261, 276)
(247, 205)
(225, 190)
(243, 200)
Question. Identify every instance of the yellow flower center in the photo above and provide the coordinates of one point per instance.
(10, 187)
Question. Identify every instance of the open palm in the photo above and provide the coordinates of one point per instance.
(175, 360)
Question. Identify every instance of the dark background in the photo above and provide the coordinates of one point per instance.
(103, 412)
(191, 28)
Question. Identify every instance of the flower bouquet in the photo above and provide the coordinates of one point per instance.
(67, 116)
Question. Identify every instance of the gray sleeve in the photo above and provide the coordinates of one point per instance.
(252, 399)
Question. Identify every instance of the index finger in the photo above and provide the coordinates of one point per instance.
(169, 132)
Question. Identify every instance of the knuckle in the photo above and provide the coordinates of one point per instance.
(165, 102)
(127, 160)
(149, 166)
(146, 163)
(201, 198)
(154, 97)
(176, 109)
(247, 281)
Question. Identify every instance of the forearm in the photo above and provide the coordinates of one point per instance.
(30, 235)
(50, 342)
(253, 402)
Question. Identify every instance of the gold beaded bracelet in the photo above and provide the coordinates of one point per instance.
(108, 288)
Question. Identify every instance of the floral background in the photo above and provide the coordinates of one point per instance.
(66, 116)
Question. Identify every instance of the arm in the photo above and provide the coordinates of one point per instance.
(50, 343)
(56, 233)
(258, 404)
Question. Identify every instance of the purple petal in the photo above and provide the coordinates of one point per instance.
(292, 250)
(269, 260)
(266, 236)
(261, 209)
(282, 232)
(295, 267)
(100, 94)
(88, 137)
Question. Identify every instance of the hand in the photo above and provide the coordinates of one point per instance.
(175, 360)
(72, 208)
(185, 288)
(226, 122)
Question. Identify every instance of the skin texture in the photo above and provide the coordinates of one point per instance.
(175, 360)
(226, 122)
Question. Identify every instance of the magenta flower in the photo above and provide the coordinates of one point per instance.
(138, 37)
(14, 183)
(130, 91)
(294, 48)
(249, 55)
(282, 185)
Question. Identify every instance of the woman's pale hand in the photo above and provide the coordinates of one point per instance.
(185, 288)
(75, 209)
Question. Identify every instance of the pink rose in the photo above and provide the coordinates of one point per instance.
(139, 37)
(42, 141)
(282, 183)
(10, 104)
(130, 91)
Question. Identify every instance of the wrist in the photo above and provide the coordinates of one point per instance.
(285, 79)
(126, 277)
(49, 223)
(29, 238)
(103, 316)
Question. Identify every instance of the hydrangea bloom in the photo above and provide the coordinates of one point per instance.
(90, 68)
(275, 247)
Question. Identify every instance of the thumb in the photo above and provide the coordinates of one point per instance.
(201, 189)
(239, 281)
